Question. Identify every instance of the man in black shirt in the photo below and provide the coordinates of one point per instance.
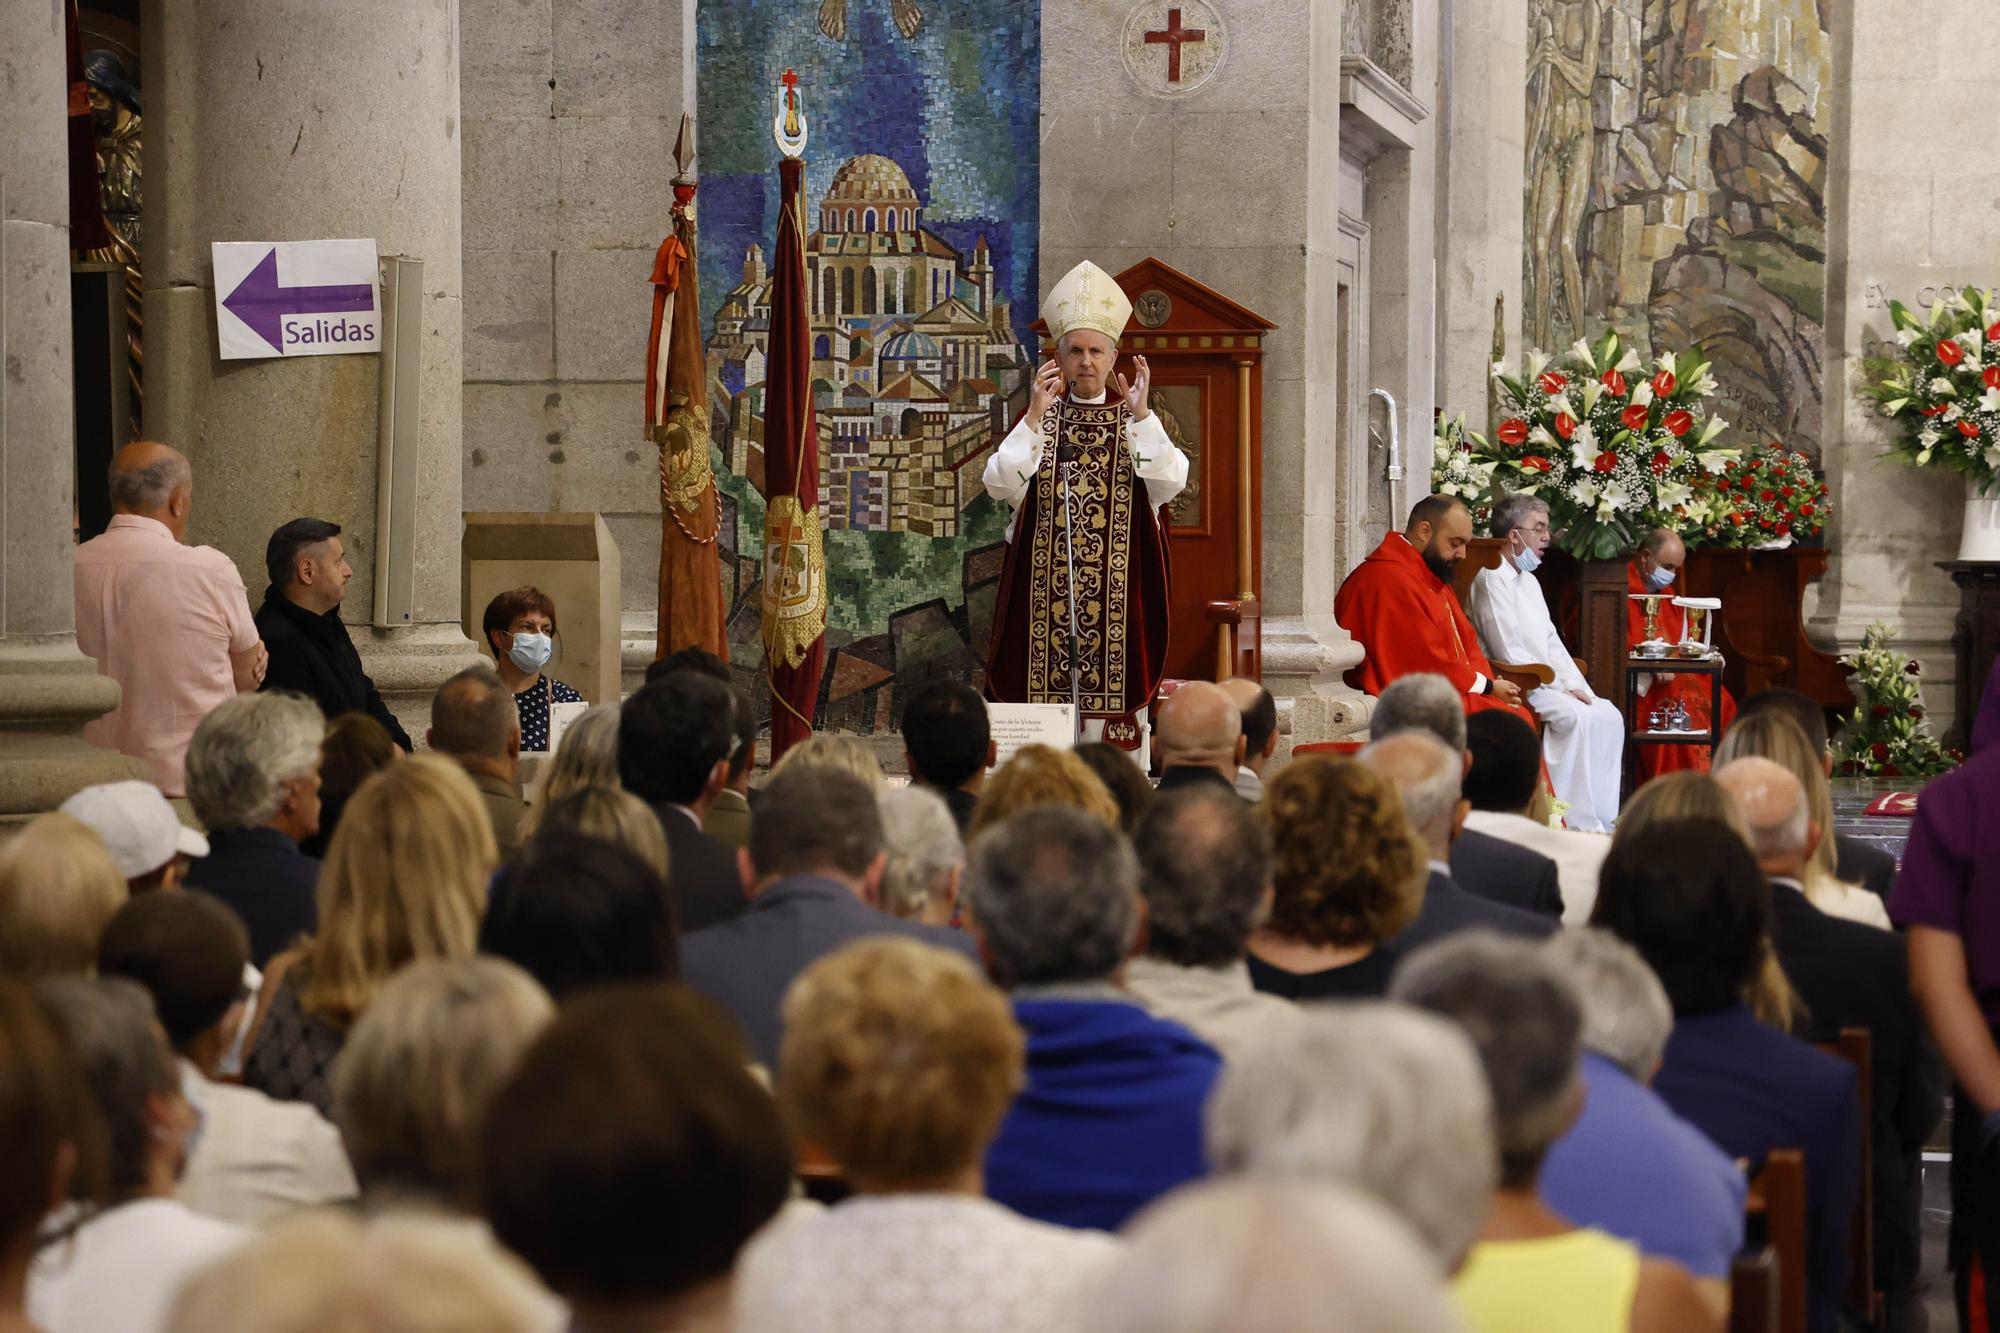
(948, 744)
(300, 625)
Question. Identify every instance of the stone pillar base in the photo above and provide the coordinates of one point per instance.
(407, 666)
(48, 691)
(1303, 664)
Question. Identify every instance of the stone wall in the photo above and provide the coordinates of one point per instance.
(570, 113)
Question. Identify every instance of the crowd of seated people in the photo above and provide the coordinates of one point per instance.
(1033, 1045)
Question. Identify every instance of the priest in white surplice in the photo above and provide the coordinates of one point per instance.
(1583, 736)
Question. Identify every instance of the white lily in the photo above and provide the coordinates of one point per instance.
(1665, 361)
(1630, 361)
(1561, 403)
(1613, 498)
(1990, 401)
(1954, 412)
(1906, 337)
(1943, 387)
(1894, 405)
(1923, 457)
(1715, 462)
(1579, 352)
(1537, 360)
(1642, 394)
(1929, 435)
(1540, 435)
(1705, 386)
(1584, 491)
(1715, 427)
(1499, 369)
(1674, 493)
(1592, 391)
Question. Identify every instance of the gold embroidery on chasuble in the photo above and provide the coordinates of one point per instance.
(1100, 497)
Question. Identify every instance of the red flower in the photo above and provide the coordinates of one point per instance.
(1565, 425)
(1664, 383)
(1969, 429)
(1787, 492)
(1737, 519)
(1849, 766)
(1767, 496)
(1880, 750)
(1949, 352)
(1993, 333)
(1613, 381)
(1990, 377)
(1784, 529)
(1931, 411)
(1537, 463)
(1916, 714)
(1891, 771)
(1513, 431)
(1678, 423)
(1881, 710)
(1807, 510)
(1634, 417)
(1661, 462)
(1551, 383)
(1913, 669)
(1606, 461)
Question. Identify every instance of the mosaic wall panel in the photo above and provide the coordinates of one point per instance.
(1676, 175)
(923, 203)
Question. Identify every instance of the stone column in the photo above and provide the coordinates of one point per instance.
(48, 690)
(1909, 211)
(299, 120)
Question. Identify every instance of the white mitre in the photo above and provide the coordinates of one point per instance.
(1086, 298)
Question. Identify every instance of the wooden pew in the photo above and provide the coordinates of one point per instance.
(1775, 1213)
(1753, 1291)
(1854, 1047)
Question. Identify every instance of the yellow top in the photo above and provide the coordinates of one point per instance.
(1579, 1282)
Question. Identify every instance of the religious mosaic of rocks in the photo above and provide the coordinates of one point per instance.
(1676, 177)
(923, 208)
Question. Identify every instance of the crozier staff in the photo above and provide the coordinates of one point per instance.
(1090, 441)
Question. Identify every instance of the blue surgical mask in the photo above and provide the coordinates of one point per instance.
(1658, 579)
(530, 651)
(1526, 560)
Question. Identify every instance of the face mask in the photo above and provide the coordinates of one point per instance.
(1659, 579)
(530, 651)
(1526, 560)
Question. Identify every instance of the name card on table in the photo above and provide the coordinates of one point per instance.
(560, 716)
(1015, 725)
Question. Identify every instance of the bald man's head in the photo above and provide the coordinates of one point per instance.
(1660, 557)
(151, 480)
(1775, 809)
(1200, 727)
(1429, 775)
(1259, 714)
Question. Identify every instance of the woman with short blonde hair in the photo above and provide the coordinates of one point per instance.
(899, 1061)
(831, 750)
(610, 813)
(587, 757)
(414, 1081)
(1041, 775)
(405, 878)
(58, 886)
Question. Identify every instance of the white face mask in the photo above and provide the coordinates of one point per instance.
(1526, 560)
(1659, 578)
(530, 651)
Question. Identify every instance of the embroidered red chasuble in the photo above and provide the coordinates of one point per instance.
(1120, 550)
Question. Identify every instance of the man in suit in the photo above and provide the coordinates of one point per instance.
(299, 621)
(728, 819)
(1200, 737)
(1855, 861)
(674, 739)
(814, 867)
(1426, 772)
(1850, 975)
(1501, 784)
(475, 723)
(948, 744)
(1482, 863)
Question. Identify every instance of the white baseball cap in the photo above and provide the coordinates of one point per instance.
(139, 828)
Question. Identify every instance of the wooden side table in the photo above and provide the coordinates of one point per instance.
(1638, 730)
(1975, 639)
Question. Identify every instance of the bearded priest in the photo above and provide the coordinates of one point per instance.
(1400, 605)
(1653, 569)
(1088, 473)
(1583, 736)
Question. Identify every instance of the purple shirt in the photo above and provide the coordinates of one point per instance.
(1950, 876)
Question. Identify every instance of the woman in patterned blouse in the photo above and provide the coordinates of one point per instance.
(520, 628)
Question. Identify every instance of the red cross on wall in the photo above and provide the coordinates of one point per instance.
(1172, 36)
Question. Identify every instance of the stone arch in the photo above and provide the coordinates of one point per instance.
(846, 291)
(868, 290)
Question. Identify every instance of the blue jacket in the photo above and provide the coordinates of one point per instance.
(1111, 1115)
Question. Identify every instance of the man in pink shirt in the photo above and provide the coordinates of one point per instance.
(169, 622)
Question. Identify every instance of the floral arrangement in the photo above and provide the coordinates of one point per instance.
(1615, 444)
(1886, 735)
(1768, 497)
(1943, 390)
(1459, 467)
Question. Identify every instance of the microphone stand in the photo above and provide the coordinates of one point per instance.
(1065, 456)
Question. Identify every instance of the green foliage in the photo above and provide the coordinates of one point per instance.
(1887, 735)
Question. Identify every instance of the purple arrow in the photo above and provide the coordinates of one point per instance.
(262, 304)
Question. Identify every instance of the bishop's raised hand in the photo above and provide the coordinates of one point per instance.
(1137, 394)
(1047, 388)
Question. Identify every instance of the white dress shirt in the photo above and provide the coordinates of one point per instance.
(1578, 856)
(120, 1271)
(1011, 470)
(257, 1158)
(1849, 902)
(1512, 617)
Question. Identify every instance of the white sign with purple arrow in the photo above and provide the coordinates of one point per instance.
(296, 298)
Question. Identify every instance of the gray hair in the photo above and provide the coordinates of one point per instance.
(1206, 867)
(1523, 1016)
(1626, 1014)
(1054, 895)
(107, 1025)
(924, 848)
(1240, 1256)
(243, 754)
(1378, 1096)
(1514, 511)
(473, 715)
(1435, 795)
(150, 487)
(1656, 541)
(1421, 701)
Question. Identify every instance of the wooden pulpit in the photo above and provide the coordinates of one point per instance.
(1207, 357)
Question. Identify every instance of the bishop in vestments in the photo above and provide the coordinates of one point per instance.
(1653, 569)
(1583, 736)
(1400, 605)
(1088, 473)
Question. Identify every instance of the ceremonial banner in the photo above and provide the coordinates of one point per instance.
(691, 611)
(794, 588)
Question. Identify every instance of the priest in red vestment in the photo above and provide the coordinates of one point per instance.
(1400, 605)
(1088, 473)
(1653, 569)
